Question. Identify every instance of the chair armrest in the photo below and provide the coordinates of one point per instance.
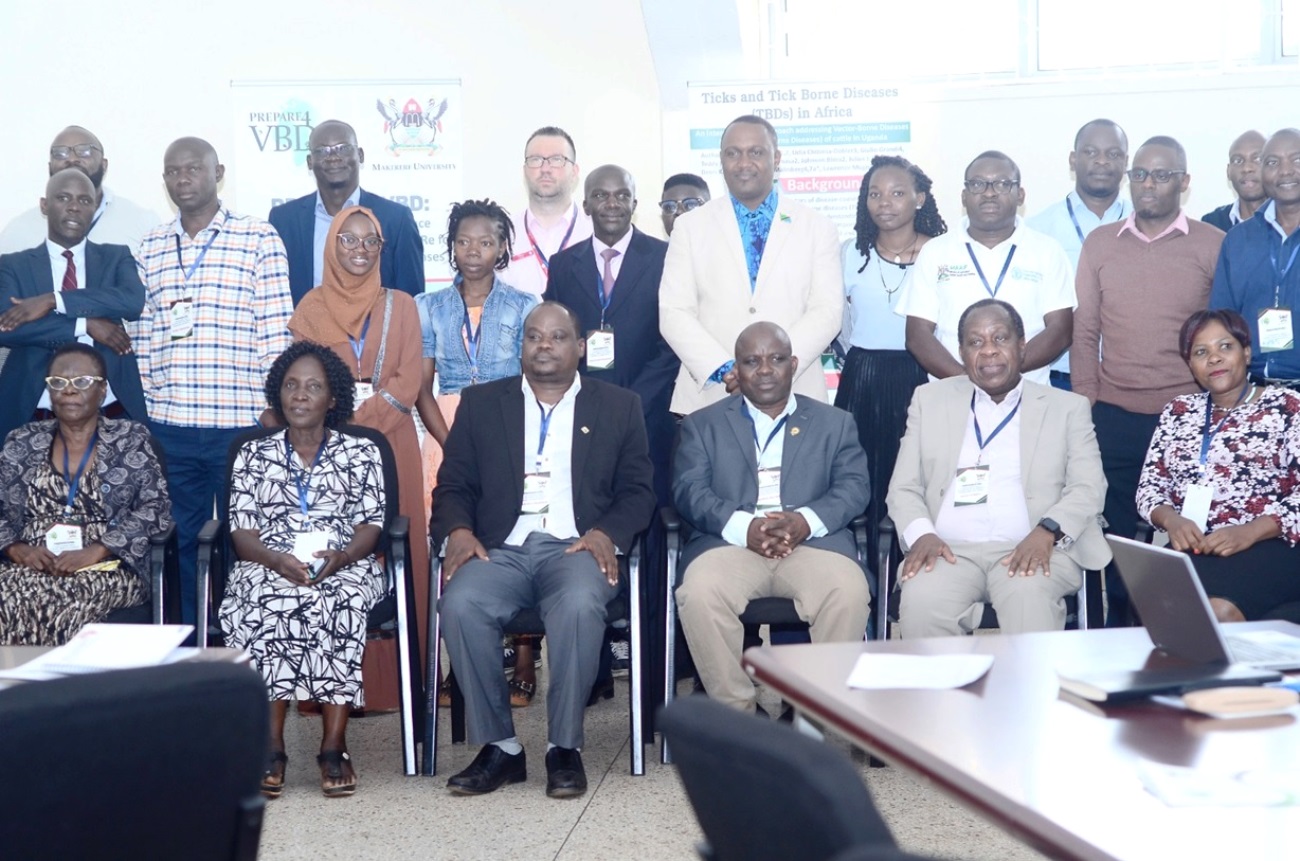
(671, 520)
(208, 534)
(161, 539)
(1145, 532)
(400, 528)
(158, 572)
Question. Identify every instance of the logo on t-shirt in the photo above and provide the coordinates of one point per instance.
(949, 271)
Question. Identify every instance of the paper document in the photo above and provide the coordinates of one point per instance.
(1193, 787)
(876, 671)
(99, 647)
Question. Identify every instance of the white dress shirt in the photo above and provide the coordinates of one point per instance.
(58, 266)
(556, 457)
(320, 232)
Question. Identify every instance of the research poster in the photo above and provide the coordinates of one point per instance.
(827, 133)
(411, 134)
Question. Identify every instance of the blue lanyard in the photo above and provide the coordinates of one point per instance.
(542, 261)
(762, 449)
(359, 346)
(979, 437)
(198, 261)
(1208, 435)
(1069, 207)
(471, 341)
(546, 426)
(1281, 273)
(74, 480)
(992, 291)
(302, 478)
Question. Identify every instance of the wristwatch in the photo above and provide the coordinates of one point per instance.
(1058, 534)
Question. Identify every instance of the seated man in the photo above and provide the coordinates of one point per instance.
(543, 477)
(768, 482)
(997, 489)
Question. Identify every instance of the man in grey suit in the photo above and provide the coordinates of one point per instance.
(997, 491)
(768, 482)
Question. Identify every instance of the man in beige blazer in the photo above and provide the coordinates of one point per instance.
(749, 256)
(998, 490)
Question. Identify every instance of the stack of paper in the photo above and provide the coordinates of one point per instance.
(99, 647)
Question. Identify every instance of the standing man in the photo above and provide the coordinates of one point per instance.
(545, 476)
(335, 159)
(748, 257)
(115, 221)
(1098, 161)
(994, 257)
(216, 316)
(551, 222)
(683, 192)
(1136, 285)
(1244, 158)
(1257, 275)
(98, 287)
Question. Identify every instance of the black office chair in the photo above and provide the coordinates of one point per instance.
(163, 762)
(762, 790)
(760, 611)
(164, 604)
(393, 616)
(622, 612)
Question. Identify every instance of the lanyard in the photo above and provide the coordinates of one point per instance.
(471, 341)
(776, 429)
(198, 261)
(302, 477)
(1069, 207)
(1281, 273)
(546, 427)
(74, 480)
(542, 260)
(359, 346)
(979, 437)
(992, 291)
(1208, 435)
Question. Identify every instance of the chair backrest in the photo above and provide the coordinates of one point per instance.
(163, 762)
(763, 791)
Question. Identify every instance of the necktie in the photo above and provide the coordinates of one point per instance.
(69, 274)
(608, 279)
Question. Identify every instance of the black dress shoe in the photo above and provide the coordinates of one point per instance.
(565, 777)
(490, 770)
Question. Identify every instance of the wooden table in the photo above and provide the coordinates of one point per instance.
(1053, 771)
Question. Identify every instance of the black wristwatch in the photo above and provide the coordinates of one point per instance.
(1053, 527)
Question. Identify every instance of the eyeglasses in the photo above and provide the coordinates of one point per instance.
(63, 153)
(1139, 175)
(536, 161)
(81, 384)
(370, 243)
(343, 150)
(1001, 186)
(686, 204)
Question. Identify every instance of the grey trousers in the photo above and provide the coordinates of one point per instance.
(569, 592)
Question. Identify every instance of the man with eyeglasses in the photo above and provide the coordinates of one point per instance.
(115, 221)
(1136, 285)
(1244, 158)
(683, 192)
(1098, 161)
(995, 256)
(754, 255)
(551, 222)
(335, 160)
(216, 316)
(1257, 273)
(67, 289)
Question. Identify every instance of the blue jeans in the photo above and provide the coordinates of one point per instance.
(196, 480)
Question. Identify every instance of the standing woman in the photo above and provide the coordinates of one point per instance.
(375, 331)
(473, 333)
(897, 215)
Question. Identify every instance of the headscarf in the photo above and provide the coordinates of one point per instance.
(337, 309)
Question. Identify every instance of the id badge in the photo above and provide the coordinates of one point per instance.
(364, 391)
(1196, 504)
(536, 485)
(180, 319)
(600, 349)
(305, 544)
(62, 538)
(1275, 331)
(972, 487)
(769, 490)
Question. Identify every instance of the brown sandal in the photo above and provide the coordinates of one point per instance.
(521, 693)
(444, 695)
(331, 764)
(273, 777)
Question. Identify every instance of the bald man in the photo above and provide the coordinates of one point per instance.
(335, 159)
(1244, 158)
(216, 316)
(769, 482)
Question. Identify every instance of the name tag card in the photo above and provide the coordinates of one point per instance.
(769, 490)
(972, 487)
(1196, 504)
(536, 499)
(305, 544)
(180, 320)
(600, 349)
(1275, 331)
(364, 391)
(63, 537)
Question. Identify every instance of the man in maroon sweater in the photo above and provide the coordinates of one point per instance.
(1136, 284)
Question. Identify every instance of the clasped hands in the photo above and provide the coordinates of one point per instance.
(298, 573)
(776, 534)
(462, 546)
(1032, 554)
(65, 564)
(1186, 536)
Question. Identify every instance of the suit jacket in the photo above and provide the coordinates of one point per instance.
(401, 265)
(112, 289)
(705, 300)
(823, 467)
(1060, 465)
(481, 480)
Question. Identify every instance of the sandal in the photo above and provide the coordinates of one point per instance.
(331, 764)
(273, 778)
(444, 695)
(521, 693)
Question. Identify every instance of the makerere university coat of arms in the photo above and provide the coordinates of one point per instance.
(412, 126)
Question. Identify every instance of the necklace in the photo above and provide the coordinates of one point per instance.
(890, 291)
(898, 255)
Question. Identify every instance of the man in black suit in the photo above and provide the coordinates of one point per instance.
(67, 289)
(336, 161)
(543, 477)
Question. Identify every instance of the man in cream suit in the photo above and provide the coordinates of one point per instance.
(997, 490)
(752, 255)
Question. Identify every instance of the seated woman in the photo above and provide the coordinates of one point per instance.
(306, 510)
(80, 496)
(1222, 475)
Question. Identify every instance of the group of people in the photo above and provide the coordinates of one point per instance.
(579, 373)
